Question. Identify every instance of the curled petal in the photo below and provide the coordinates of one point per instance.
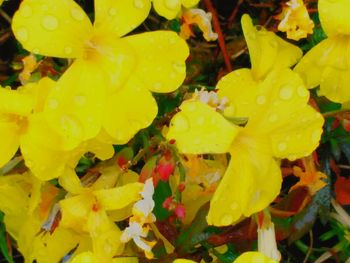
(120, 17)
(198, 129)
(49, 27)
(158, 69)
(267, 50)
(251, 182)
(167, 9)
(334, 16)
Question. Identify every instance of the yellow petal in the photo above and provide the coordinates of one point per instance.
(15, 102)
(119, 197)
(167, 8)
(70, 181)
(327, 65)
(127, 111)
(105, 235)
(161, 59)
(251, 182)
(284, 117)
(39, 148)
(75, 211)
(47, 247)
(198, 129)
(189, 3)
(85, 257)
(76, 113)
(49, 27)
(112, 56)
(10, 132)
(334, 16)
(120, 17)
(267, 50)
(241, 100)
(125, 260)
(181, 260)
(252, 257)
(14, 191)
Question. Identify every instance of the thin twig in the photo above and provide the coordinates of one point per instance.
(234, 14)
(310, 248)
(5, 16)
(218, 30)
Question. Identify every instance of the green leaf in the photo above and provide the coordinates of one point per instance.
(161, 192)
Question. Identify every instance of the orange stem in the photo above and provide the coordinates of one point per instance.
(218, 30)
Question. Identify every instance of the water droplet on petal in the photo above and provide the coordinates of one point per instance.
(157, 86)
(26, 11)
(112, 11)
(302, 91)
(22, 34)
(36, 50)
(77, 14)
(286, 93)
(315, 136)
(234, 206)
(282, 146)
(260, 100)
(52, 103)
(200, 120)
(49, 22)
(68, 50)
(80, 100)
(139, 4)
(179, 67)
(273, 118)
(227, 220)
(180, 123)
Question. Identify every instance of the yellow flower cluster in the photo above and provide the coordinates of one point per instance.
(266, 118)
(93, 105)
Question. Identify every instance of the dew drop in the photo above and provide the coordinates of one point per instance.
(282, 146)
(26, 11)
(49, 22)
(77, 14)
(36, 50)
(139, 4)
(68, 50)
(200, 120)
(22, 34)
(315, 136)
(157, 86)
(179, 67)
(52, 103)
(80, 100)
(260, 100)
(273, 118)
(226, 219)
(172, 4)
(180, 123)
(286, 93)
(112, 11)
(302, 91)
(234, 206)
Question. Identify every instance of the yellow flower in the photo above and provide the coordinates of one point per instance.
(171, 8)
(27, 203)
(326, 64)
(275, 122)
(88, 211)
(15, 109)
(90, 257)
(295, 20)
(109, 68)
(200, 18)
